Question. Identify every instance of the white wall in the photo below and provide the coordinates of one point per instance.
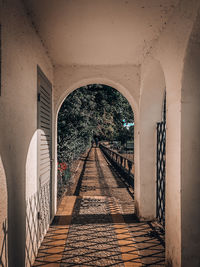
(3, 200)
(190, 151)
(170, 51)
(151, 104)
(71, 77)
(100, 32)
(21, 52)
(3, 215)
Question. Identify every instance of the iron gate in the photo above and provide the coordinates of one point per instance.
(161, 143)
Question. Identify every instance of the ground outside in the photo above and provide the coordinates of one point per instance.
(96, 226)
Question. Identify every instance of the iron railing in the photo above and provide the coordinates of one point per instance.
(4, 244)
(160, 181)
(123, 165)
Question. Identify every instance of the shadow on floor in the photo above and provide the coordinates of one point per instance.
(4, 245)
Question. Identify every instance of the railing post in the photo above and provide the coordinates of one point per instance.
(123, 165)
(121, 160)
(129, 166)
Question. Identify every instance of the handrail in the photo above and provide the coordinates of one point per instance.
(123, 165)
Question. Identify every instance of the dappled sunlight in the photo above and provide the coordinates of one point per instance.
(31, 166)
(96, 224)
(3, 190)
(35, 229)
(3, 217)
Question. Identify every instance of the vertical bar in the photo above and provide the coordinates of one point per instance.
(157, 173)
(160, 181)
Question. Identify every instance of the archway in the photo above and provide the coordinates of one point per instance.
(80, 83)
(112, 116)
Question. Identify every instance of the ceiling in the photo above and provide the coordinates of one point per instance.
(96, 32)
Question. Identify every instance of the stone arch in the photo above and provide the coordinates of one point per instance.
(150, 112)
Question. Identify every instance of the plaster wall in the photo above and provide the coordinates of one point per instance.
(100, 32)
(190, 151)
(3, 200)
(22, 51)
(71, 77)
(170, 50)
(151, 103)
(3, 215)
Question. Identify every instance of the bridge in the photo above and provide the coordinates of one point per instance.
(96, 224)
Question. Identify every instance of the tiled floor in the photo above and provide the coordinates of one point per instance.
(97, 227)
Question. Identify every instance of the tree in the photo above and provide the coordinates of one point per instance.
(93, 110)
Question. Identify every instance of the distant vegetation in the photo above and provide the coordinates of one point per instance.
(88, 112)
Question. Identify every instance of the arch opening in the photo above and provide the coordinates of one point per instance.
(90, 114)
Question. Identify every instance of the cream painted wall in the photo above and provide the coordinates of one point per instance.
(69, 78)
(31, 167)
(190, 151)
(3, 200)
(3, 215)
(170, 51)
(100, 32)
(22, 50)
(151, 104)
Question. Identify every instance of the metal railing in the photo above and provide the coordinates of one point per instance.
(160, 181)
(161, 162)
(123, 165)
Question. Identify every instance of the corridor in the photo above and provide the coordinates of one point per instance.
(95, 224)
(149, 51)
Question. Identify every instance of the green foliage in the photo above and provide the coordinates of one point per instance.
(93, 110)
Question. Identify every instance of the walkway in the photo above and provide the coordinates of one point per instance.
(96, 226)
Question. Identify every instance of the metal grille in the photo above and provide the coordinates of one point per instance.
(161, 135)
(161, 143)
(4, 244)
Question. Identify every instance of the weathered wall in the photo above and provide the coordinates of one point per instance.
(3, 215)
(21, 52)
(100, 32)
(170, 51)
(3, 200)
(190, 151)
